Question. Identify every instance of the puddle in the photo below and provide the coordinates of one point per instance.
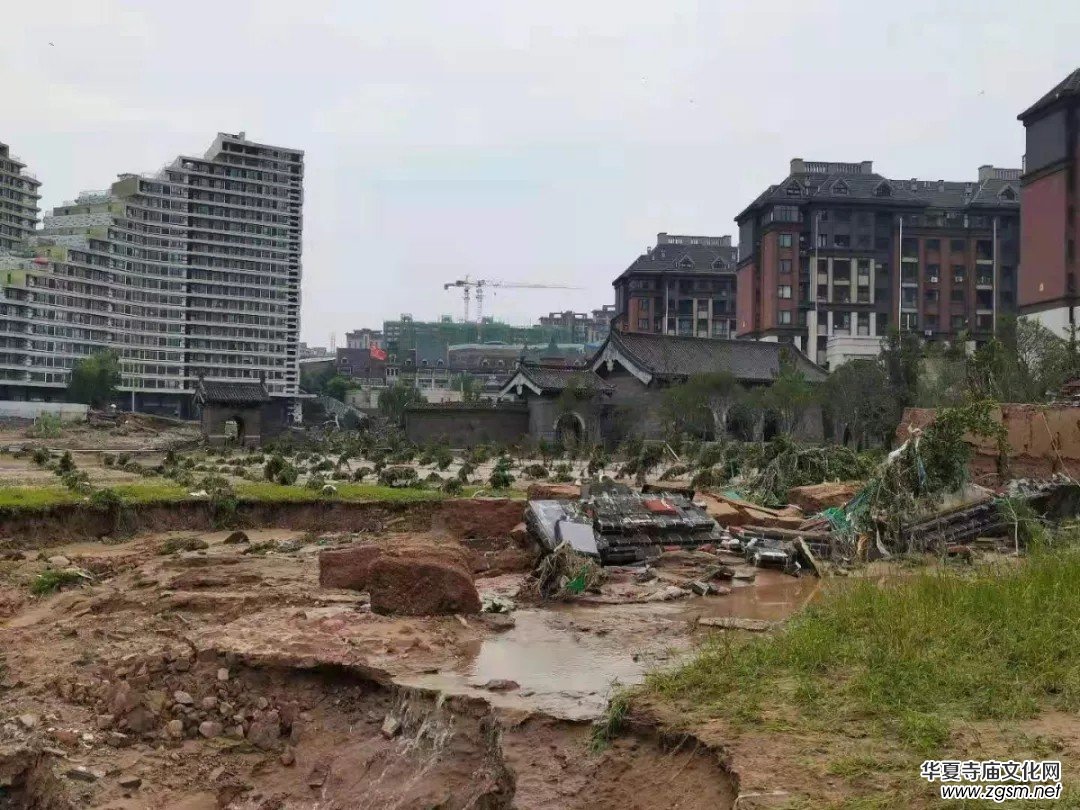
(565, 659)
(772, 596)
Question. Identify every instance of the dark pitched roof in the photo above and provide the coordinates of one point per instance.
(558, 379)
(1069, 86)
(702, 258)
(230, 393)
(667, 356)
(840, 186)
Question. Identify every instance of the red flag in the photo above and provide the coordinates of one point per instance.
(377, 353)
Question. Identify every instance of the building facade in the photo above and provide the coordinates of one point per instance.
(1050, 224)
(685, 285)
(191, 273)
(18, 201)
(581, 327)
(363, 339)
(835, 255)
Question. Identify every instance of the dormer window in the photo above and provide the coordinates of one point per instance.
(719, 265)
(840, 187)
(686, 263)
(794, 189)
(883, 190)
(1007, 193)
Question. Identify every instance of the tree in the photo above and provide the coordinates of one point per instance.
(857, 399)
(701, 404)
(469, 386)
(789, 397)
(94, 379)
(901, 355)
(338, 387)
(395, 399)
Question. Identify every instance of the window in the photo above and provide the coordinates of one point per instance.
(822, 240)
(794, 189)
(643, 323)
(802, 317)
(958, 274)
(909, 321)
(956, 245)
(785, 266)
(784, 291)
(933, 244)
(842, 240)
(842, 322)
(957, 296)
(883, 190)
(1008, 194)
(932, 296)
(930, 322)
(643, 305)
(785, 240)
(785, 317)
(840, 187)
(785, 213)
(909, 248)
(932, 273)
(958, 322)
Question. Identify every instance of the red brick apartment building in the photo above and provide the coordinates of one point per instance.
(834, 255)
(1049, 225)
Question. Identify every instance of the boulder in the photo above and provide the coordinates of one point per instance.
(422, 581)
(265, 730)
(347, 567)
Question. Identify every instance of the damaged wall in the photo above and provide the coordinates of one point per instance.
(467, 425)
(1043, 440)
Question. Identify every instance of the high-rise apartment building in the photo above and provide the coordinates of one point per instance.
(685, 285)
(18, 201)
(835, 255)
(581, 327)
(193, 272)
(1050, 224)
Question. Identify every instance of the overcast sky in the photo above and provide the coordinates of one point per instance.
(524, 141)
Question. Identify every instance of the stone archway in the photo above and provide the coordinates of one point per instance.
(569, 430)
(234, 430)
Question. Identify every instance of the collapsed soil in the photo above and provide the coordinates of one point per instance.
(225, 678)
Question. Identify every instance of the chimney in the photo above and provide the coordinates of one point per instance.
(914, 183)
(940, 185)
(798, 166)
(986, 173)
(725, 241)
(661, 238)
(866, 167)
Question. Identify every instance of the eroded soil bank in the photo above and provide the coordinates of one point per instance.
(224, 677)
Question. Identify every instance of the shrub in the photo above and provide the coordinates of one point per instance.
(287, 475)
(443, 457)
(674, 471)
(76, 481)
(46, 426)
(466, 470)
(360, 473)
(122, 459)
(54, 580)
(500, 477)
(452, 486)
(274, 466)
(316, 482)
(398, 476)
(108, 459)
(40, 456)
(535, 471)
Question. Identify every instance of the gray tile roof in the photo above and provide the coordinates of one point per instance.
(837, 187)
(558, 379)
(230, 393)
(1069, 86)
(703, 259)
(673, 356)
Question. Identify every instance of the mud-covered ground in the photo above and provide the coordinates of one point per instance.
(224, 677)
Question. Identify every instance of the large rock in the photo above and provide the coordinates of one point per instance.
(347, 567)
(816, 497)
(422, 581)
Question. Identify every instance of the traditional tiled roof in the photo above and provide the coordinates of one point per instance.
(670, 356)
(230, 393)
(1069, 86)
(548, 379)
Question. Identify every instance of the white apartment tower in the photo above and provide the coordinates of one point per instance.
(18, 201)
(193, 272)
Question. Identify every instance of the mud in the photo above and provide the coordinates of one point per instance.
(225, 677)
(481, 519)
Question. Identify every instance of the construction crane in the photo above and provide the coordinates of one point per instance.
(467, 286)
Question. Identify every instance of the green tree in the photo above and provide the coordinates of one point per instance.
(857, 399)
(701, 405)
(94, 379)
(789, 398)
(469, 387)
(395, 399)
(338, 387)
(901, 356)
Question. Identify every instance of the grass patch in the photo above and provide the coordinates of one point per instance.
(610, 723)
(914, 658)
(54, 580)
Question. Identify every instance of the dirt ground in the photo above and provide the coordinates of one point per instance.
(224, 677)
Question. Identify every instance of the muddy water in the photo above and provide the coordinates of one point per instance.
(566, 659)
(772, 596)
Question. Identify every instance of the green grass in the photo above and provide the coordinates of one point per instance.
(914, 658)
(53, 580)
